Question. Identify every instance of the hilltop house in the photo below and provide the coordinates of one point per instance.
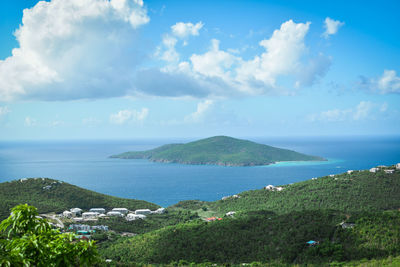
(389, 171)
(350, 171)
(120, 210)
(67, 214)
(273, 188)
(115, 213)
(132, 217)
(90, 215)
(312, 243)
(373, 170)
(143, 211)
(98, 210)
(398, 166)
(159, 211)
(76, 211)
(231, 213)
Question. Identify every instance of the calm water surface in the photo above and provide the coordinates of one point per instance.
(86, 164)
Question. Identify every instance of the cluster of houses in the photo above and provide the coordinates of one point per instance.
(93, 214)
(388, 170)
(273, 188)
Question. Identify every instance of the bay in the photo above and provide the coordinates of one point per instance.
(86, 164)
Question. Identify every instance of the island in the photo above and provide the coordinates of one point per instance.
(219, 150)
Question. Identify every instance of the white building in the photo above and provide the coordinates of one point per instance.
(231, 213)
(350, 171)
(143, 211)
(398, 166)
(90, 215)
(373, 170)
(76, 211)
(278, 188)
(270, 187)
(331, 175)
(67, 214)
(115, 213)
(121, 210)
(98, 210)
(78, 219)
(132, 217)
(389, 171)
(160, 211)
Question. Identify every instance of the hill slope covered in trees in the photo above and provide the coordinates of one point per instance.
(274, 226)
(219, 150)
(49, 195)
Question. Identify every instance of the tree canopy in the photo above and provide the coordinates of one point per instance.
(29, 240)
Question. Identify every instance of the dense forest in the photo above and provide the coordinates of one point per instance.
(219, 150)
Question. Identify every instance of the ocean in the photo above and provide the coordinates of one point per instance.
(86, 164)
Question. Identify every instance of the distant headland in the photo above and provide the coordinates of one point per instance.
(219, 150)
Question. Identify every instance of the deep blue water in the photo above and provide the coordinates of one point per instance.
(86, 164)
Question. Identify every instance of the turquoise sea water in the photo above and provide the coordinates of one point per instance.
(86, 164)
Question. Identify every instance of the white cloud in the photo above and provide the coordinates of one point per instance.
(221, 73)
(184, 30)
(74, 49)
(4, 110)
(388, 83)
(180, 30)
(124, 116)
(331, 27)
(30, 121)
(202, 109)
(363, 111)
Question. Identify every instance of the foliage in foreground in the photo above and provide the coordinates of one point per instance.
(28, 240)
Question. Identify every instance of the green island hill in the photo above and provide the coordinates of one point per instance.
(219, 150)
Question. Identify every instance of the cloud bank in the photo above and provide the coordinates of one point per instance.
(91, 49)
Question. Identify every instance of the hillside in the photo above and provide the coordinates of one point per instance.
(50, 195)
(358, 191)
(219, 150)
(274, 226)
(264, 237)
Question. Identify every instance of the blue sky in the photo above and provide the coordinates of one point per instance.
(107, 69)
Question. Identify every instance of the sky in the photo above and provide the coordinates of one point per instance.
(123, 69)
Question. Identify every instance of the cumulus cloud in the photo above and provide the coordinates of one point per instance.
(124, 116)
(222, 73)
(202, 109)
(91, 49)
(364, 110)
(4, 110)
(180, 30)
(184, 30)
(74, 49)
(387, 83)
(30, 121)
(331, 27)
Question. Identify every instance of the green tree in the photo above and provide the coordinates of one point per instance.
(28, 240)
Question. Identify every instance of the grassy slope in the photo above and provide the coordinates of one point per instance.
(275, 225)
(220, 150)
(59, 197)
